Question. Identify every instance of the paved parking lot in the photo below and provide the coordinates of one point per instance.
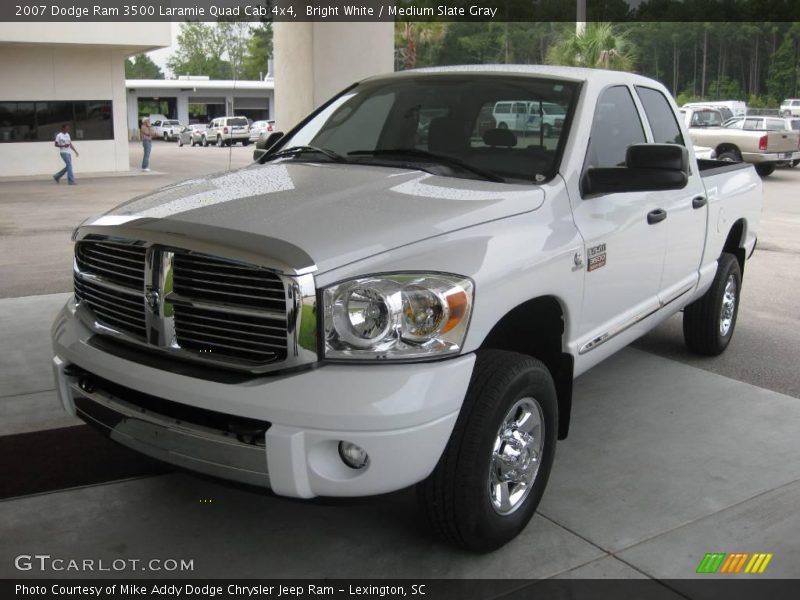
(669, 456)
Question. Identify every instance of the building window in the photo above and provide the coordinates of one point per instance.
(35, 121)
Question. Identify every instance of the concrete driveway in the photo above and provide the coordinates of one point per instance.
(666, 461)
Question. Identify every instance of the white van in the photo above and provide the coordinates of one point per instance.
(529, 116)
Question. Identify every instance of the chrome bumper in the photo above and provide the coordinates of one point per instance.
(186, 445)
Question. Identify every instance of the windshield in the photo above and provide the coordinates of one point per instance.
(455, 125)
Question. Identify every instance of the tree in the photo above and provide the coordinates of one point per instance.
(784, 71)
(142, 67)
(599, 45)
(259, 51)
(200, 52)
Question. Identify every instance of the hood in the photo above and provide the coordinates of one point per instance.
(336, 213)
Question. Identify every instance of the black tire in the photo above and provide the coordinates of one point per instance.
(219, 142)
(794, 163)
(180, 142)
(455, 498)
(765, 170)
(245, 142)
(729, 156)
(204, 143)
(702, 319)
(546, 130)
(502, 125)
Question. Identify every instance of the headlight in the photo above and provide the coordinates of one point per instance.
(397, 317)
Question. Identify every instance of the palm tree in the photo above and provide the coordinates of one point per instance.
(409, 35)
(599, 45)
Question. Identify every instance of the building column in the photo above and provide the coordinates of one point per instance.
(182, 102)
(314, 61)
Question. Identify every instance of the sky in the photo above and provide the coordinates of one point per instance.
(160, 56)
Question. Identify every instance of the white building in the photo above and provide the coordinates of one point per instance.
(198, 99)
(53, 73)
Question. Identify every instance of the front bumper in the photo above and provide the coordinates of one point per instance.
(401, 414)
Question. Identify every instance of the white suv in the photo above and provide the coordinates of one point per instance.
(225, 131)
(790, 107)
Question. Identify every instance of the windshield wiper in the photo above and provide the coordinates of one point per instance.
(430, 156)
(300, 149)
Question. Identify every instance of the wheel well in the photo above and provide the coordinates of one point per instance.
(536, 328)
(734, 243)
(728, 147)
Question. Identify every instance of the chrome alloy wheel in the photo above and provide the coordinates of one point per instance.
(728, 306)
(516, 456)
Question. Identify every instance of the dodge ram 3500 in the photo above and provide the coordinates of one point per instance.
(370, 306)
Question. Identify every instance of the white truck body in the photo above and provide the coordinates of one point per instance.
(593, 268)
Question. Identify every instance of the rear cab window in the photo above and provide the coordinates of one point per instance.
(660, 116)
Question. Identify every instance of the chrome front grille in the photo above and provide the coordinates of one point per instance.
(219, 280)
(237, 310)
(117, 263)
(248, 337)
(109, 279)
(193, 305)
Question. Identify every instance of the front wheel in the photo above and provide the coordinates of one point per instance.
(765, 170)
(709, 321)
(204, 142)
(492, 474)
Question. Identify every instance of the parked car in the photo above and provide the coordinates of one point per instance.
(167, 129)
(259, 127)
(191, 134)
(728, 108)
(225, 131)
(765, 149)
(405, 315)
(790, 107)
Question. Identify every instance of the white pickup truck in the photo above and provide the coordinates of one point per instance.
(369, 307)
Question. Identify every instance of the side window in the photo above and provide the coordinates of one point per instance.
(754, 124)
(616, 126)
(660, 116)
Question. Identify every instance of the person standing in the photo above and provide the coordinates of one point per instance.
(64, 144)
(146, 132)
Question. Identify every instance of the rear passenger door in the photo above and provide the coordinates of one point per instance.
(686, 209)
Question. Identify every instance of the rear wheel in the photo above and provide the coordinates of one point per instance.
(546, 130)
(729, 156)
(765, 170)
(491, 476)
(219, 141)
(708, 322)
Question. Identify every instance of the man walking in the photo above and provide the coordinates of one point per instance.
(64, 144)
(147, 143)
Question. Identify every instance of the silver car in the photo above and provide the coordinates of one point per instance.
(259, 127)
(191, 134)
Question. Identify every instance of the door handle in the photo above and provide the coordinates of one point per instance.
(699, 201)
(656, 216)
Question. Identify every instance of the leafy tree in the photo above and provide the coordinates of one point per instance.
(784, 72)
(599, 45)
(258, 52)
(200, 52)
(141, 66)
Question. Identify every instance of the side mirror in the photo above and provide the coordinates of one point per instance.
(648, 168)
(265, 142)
